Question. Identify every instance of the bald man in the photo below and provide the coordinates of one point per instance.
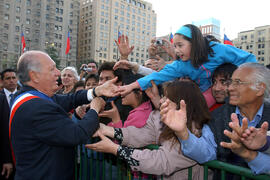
(43, 137)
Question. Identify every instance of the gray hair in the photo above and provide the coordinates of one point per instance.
(261, 74)
(73, 70)
(29, 61)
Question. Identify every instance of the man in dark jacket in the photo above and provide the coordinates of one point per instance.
(43, 137)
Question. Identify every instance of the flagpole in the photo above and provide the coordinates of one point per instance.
(21, 40)
(118, 42)
(67, 53)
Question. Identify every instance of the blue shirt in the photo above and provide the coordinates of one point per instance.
(203, 149)
(202, 75)
(257, 118)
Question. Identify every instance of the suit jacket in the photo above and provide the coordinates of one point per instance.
(5, 153)
(44, 137)
(168, 160)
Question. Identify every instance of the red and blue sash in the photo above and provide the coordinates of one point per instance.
(18, 101)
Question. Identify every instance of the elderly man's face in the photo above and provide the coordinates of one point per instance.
(241, 93)
(48, 75)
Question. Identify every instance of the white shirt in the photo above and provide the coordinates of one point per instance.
(7, 92)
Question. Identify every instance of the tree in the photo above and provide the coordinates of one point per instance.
(52, 52)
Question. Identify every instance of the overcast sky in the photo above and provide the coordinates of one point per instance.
(234, 15)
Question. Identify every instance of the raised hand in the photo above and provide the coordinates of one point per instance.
(97, 104)
(124, 64)
(153, 94)
(108, 89)
(236, 145)
(112, 113)
(124, 47)
(175, 119)
(169, 48)
(105, 145)
(152, 49)
(255, 138)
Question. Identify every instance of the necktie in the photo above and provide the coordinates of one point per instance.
(11, 97)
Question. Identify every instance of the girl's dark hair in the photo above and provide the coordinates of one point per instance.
(90, 76)
(76, 85)
(199, 46)
(197, 110)
(130, 78)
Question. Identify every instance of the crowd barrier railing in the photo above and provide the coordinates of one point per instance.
(92, 165)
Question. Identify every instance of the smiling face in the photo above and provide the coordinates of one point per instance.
(182, 47)
(91, 83)
(242, 94)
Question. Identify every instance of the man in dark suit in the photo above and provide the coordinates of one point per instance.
(6, 165)
(9, 80)
(43, 137)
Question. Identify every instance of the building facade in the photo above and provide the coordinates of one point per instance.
(44, 23)
(256, 41)
(102, 20)
(209, 26)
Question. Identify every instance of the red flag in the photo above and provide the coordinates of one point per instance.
(68, 44)
(23, 42)
(227, 40)
(171, 38)
(119, 36)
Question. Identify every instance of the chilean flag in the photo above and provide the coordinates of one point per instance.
(171, 38)
(227, 40)
(119, 36)
(23, 42)
(68, 44)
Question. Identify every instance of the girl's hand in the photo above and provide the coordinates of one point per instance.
(112, 113)
(124, 90)
(153, 94)
(105, 145)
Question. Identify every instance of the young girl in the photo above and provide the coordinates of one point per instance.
(197, 58)
(136, 99)
(168, 160)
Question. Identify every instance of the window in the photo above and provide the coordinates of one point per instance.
(27, 21)
(17, 19)
(6, 27)
(6, 17)
(28, 11)
(7, 6)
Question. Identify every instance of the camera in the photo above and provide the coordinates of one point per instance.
(85, 68)
(159, 42)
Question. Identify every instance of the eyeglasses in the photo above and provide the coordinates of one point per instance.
(237, 82)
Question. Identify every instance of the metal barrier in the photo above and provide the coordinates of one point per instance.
(91, 165)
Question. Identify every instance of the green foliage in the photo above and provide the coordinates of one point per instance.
(52, 52)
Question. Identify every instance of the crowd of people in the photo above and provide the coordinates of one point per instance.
(210, 103)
